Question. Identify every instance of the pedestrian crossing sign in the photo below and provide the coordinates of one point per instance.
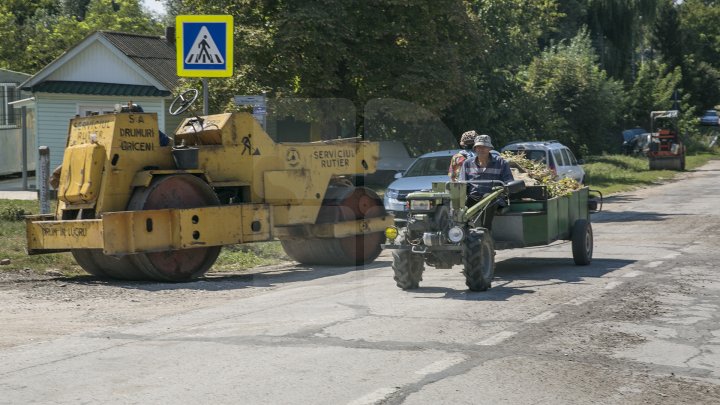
(204, 45)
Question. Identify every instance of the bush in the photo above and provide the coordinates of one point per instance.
(12, 213)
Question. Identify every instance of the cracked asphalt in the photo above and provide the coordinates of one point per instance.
(640, 325)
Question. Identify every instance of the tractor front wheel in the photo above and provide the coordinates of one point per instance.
(479, 260)
(408, 269)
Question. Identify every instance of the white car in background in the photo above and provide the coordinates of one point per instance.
(428, 168)
(558, 157)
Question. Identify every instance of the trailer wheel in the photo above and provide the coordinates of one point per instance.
(582, 242)
(479, 260)
(408, 268)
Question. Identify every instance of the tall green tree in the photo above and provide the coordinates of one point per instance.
(652, 91)
(700, 25)
(687, 35)
(510, 33)
(36, 32)
(618, 30)
(414, 50)
(571, 99)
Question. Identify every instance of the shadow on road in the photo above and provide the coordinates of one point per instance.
(555, 270)
(632, 216)
(499, 292)
(219, 281)
(540, 271)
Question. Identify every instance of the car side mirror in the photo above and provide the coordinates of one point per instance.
(398, 175)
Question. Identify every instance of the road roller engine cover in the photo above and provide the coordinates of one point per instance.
(130, 208)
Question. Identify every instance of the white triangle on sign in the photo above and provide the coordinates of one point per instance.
(204, 51)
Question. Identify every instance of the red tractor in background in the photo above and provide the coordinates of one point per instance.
(666, 150)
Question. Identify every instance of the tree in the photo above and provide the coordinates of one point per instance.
(509, 34)
(36, 32)
(121, 15)
(652, 91)
(571, 99)
(700, 36)
(416, 50)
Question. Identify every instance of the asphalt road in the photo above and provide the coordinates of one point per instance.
(639, 325)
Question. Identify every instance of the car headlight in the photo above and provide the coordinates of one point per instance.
(455, 234)
(420, 205)
(390, 193)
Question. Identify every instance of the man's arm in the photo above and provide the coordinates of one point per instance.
(505, 172)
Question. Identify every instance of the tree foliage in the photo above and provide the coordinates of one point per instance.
(572, 99)
(573, 70)
(652, 91)
(38, 31)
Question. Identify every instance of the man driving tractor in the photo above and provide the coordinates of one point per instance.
(485, 166)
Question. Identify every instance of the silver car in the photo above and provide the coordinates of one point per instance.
(428, 168)
(555, 155)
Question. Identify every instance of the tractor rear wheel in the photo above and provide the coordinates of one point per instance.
(341, 204)
(478, 260)
(175, 191)
(408, 269)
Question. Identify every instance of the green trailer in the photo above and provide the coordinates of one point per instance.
(441, 231)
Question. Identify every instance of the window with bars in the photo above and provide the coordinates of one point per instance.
(9, 116)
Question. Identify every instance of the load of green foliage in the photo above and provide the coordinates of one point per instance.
(540, 174)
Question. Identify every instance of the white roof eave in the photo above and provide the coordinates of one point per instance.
(23, 103)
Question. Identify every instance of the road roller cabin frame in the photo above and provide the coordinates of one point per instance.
(131, 208)
(441, 231)
(666, 150)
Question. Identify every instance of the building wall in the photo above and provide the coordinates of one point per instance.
(83, 67)
(11, 135)
(54, 112)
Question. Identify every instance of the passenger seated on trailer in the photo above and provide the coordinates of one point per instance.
(485, 166)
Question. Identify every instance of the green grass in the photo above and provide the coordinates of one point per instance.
(249, 255)
(616, 173)
(12, 235)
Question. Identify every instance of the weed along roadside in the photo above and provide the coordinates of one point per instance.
(608, 174)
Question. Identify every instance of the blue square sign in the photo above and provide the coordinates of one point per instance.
(204, 45)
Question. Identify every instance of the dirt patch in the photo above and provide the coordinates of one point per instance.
(42, 307)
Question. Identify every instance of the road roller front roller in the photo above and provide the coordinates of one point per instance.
(131, 206)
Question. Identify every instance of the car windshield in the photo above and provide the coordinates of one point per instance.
(429, 166)
(710, 113)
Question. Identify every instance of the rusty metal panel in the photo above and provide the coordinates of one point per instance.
(337, 230)
(256, 223)
(63, 235)
(138, 231)
(171, 229)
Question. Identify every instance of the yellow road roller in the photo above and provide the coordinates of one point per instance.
(132, 207)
